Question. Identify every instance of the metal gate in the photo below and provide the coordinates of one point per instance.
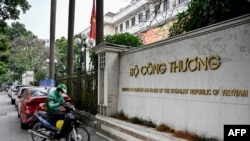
(82, 88)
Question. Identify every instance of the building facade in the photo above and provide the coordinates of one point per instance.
(150, 19)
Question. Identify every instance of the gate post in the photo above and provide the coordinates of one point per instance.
(108, 77)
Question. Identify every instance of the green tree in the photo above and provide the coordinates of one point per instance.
(4, 54)
(9, 40)
(17, 29)
(61, 54)
(3, 68)
(201, 13)
(4, 43)
(5, 78)
(40, 75)
(27, 53)
(10, 10)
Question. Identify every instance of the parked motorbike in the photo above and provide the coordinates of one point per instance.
(69, 128)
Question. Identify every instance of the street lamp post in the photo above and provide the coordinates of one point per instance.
(48, 62)
(84, 42)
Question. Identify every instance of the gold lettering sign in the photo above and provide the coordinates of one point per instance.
(192, 65)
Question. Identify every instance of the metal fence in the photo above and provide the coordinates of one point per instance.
(82, 88)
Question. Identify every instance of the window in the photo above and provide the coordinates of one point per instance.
(147, 14)
(121, 27)
(24, 93)
(157, 9)
(166, 5)
(116, 29)
(140, 17)
(34, 93)
(127, 24)
(133, 21)
(102, 60)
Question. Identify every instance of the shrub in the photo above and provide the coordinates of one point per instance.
(126, 39)
(164, 128)
(201, 13)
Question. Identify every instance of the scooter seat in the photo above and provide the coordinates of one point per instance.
(43, 114)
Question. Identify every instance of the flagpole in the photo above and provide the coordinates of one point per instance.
(99, 21)
(70, 53)
(52, 38)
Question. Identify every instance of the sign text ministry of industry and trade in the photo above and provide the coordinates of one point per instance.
(181, 66)
(192, 65)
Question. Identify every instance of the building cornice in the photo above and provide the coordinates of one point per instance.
(108, 47)
(123, 13)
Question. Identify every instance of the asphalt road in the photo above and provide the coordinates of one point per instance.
(10, 129)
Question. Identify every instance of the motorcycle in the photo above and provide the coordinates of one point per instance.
(69, 128)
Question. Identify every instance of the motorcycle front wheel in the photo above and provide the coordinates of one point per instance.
(79, 134)
(37, 127)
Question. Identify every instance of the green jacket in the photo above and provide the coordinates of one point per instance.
(53, 101)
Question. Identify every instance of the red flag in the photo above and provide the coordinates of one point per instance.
(92, 33)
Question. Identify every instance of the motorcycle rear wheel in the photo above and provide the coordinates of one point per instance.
(82, 134)
(36, 128)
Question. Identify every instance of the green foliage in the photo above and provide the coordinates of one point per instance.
(4, 44)
(18, 64)
(3, 27)
(17, 30)
(61, 53)
(94, 59)
(126, 39)
(4, 56)
(10, 10)
(40, 74)
(201, 13)
(61, 47)
(5, 78)
(27, 53)
(180, 26)
(3, 68)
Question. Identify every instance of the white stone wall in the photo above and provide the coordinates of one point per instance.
(202, 114)
(27, 77)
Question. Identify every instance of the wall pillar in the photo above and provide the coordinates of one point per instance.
(108, 77)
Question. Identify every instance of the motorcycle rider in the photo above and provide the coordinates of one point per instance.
(53, 103)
